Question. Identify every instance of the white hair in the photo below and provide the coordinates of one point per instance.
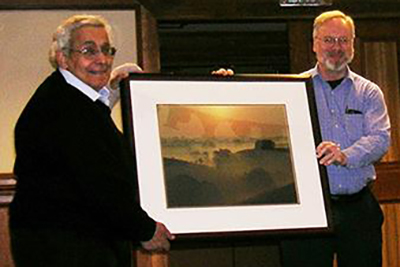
(62, 37)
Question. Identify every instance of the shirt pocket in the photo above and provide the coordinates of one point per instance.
(354, 124)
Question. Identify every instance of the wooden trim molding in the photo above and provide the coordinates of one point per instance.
(7, 188)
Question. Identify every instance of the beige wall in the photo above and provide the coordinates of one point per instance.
(25, 37)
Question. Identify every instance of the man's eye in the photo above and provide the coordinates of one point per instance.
(89, 51)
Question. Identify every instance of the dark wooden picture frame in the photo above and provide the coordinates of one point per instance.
(184, 191)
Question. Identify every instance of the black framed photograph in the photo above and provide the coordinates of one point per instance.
(227, 156)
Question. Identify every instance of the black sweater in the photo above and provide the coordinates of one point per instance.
(74, 168)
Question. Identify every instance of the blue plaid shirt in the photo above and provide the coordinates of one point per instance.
(353, 115)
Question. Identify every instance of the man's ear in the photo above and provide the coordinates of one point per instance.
(313, 45)
(61, 59)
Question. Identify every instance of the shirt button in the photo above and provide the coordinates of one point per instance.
(336, 126)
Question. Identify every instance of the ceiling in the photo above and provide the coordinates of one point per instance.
(263, 9)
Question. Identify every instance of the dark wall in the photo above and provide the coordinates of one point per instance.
(68, 4)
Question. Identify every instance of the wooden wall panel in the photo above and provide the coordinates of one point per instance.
(387, 185)
(381, 67)
(71, 4)
(5, 253)
(147, 39)
(300, 46)
(391, 235)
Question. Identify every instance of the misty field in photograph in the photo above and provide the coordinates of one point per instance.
(226, 155)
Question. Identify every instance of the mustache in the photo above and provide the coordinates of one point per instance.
(335, 53)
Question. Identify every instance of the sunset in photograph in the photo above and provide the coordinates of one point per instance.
(224, 121)
(220, 155)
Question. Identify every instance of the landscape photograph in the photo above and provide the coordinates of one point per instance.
(226, 155)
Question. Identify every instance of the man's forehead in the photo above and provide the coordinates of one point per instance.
(93, 43)
(335, 25)
(90, 36)
(89, 31)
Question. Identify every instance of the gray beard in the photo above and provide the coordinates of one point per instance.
(337, 67)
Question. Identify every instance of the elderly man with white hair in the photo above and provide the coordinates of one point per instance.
(76, 198)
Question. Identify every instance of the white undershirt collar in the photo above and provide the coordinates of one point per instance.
(71, 79)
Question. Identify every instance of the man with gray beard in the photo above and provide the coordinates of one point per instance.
(355, 131)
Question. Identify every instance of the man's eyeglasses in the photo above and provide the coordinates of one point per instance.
(329, 40)
(92, 52)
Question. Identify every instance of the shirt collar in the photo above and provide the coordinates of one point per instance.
(83, 87)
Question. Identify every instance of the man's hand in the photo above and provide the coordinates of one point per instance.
(223, 72)
(122, 72)
(160, 240)
(330, 153)
(116, 77)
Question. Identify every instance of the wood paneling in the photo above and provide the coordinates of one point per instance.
(387, 185)
(391, 235)
(5, 252)
(148, 45)
(381, 66)
(300, 45)
(198, 48)
(7, 188)
(66, 4)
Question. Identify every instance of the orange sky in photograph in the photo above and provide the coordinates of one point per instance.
(225, 121)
